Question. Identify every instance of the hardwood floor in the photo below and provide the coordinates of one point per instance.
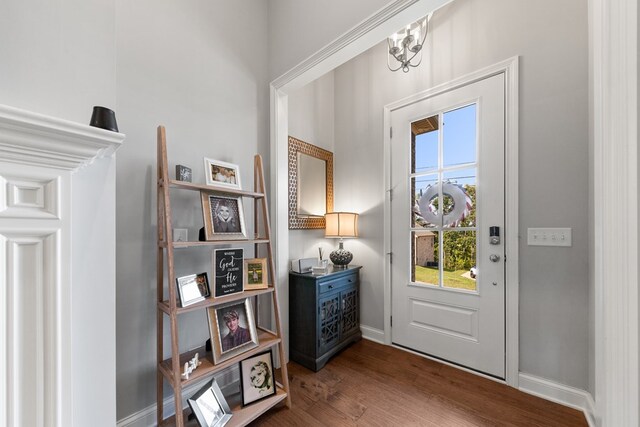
(370, 384)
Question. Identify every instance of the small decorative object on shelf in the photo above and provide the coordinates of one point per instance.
(180, 235)
(191, 366)
(103, 118)
(341, 225)
(255, 276)
(183, 173)
(193, 288)
(256, 378)
(209, 406)
(227, 267)
(232, 329)
(223, 217)
(222, 174)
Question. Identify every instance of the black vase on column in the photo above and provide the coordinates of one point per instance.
(104, 118)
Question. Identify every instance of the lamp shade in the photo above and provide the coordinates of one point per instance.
(341, 224)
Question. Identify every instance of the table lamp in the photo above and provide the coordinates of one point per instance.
(341, 225)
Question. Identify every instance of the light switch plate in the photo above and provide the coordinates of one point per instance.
(549, 236)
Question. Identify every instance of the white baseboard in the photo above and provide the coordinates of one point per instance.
(372, 334)
(559, 393)
(227, 380)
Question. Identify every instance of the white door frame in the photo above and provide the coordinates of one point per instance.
(509, 68)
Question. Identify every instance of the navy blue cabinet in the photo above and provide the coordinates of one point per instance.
(324, 315)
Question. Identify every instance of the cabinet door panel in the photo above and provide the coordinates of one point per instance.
(350, 312)
(329, 322)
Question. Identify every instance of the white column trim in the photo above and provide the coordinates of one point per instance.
(35, 139)
(38, 156)
(614, 43)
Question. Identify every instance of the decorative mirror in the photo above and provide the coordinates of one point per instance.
(310, 185)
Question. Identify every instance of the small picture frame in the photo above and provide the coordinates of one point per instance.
(228, 272)
(180, 235)
(193, 288)
(257, 381)
(183, 173)
(232, 329)
(222, 174)
(209, 406)
(223, 217)
(255, 274)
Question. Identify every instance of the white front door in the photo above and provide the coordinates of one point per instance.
(447, 181)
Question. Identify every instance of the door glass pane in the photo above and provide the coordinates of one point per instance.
(459, 257)
(425, 145)
(425, 257)
(459, 136)
(459, 191)
(425, 202)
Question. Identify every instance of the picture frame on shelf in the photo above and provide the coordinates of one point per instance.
(232, 328)
(257, 380)
(255, 274)
(180, 235)
(183, 173)
(193, 288)
(228, 271)
(223, 217)
(209, 406)
(222, 174)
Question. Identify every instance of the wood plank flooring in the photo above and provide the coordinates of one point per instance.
(369, 384)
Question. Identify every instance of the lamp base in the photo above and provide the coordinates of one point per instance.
(341, 257)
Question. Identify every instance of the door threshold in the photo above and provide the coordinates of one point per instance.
(449, 363)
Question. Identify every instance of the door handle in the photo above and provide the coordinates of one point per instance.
(494, 258)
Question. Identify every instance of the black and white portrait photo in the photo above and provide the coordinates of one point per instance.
(225, 214)
(256, 377)
(224, 217)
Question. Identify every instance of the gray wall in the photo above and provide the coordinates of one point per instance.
(468, 35)
(186, 66)
(58, 58)
(299, 28)
(311, 119)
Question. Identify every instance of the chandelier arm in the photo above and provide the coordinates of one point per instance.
(419, 62)
(414, 55)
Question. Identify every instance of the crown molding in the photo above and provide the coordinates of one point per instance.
(35, 139)
(353, 36)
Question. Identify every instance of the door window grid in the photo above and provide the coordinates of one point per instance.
(442, 175)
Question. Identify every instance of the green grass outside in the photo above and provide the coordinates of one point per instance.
(452, 279)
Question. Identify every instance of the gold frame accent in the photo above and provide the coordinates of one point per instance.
(297, 146)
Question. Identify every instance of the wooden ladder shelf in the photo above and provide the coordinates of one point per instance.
(170, 369)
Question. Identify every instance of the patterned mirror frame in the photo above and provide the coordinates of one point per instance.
(297, 146)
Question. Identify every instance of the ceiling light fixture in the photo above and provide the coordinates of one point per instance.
(406, 45)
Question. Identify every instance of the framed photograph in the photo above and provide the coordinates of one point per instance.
(232, 329)
(193, 288)
(255, 274)
(228, 272)
(223, 217)
(256, 378)
(209, 406)
(222, 174)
